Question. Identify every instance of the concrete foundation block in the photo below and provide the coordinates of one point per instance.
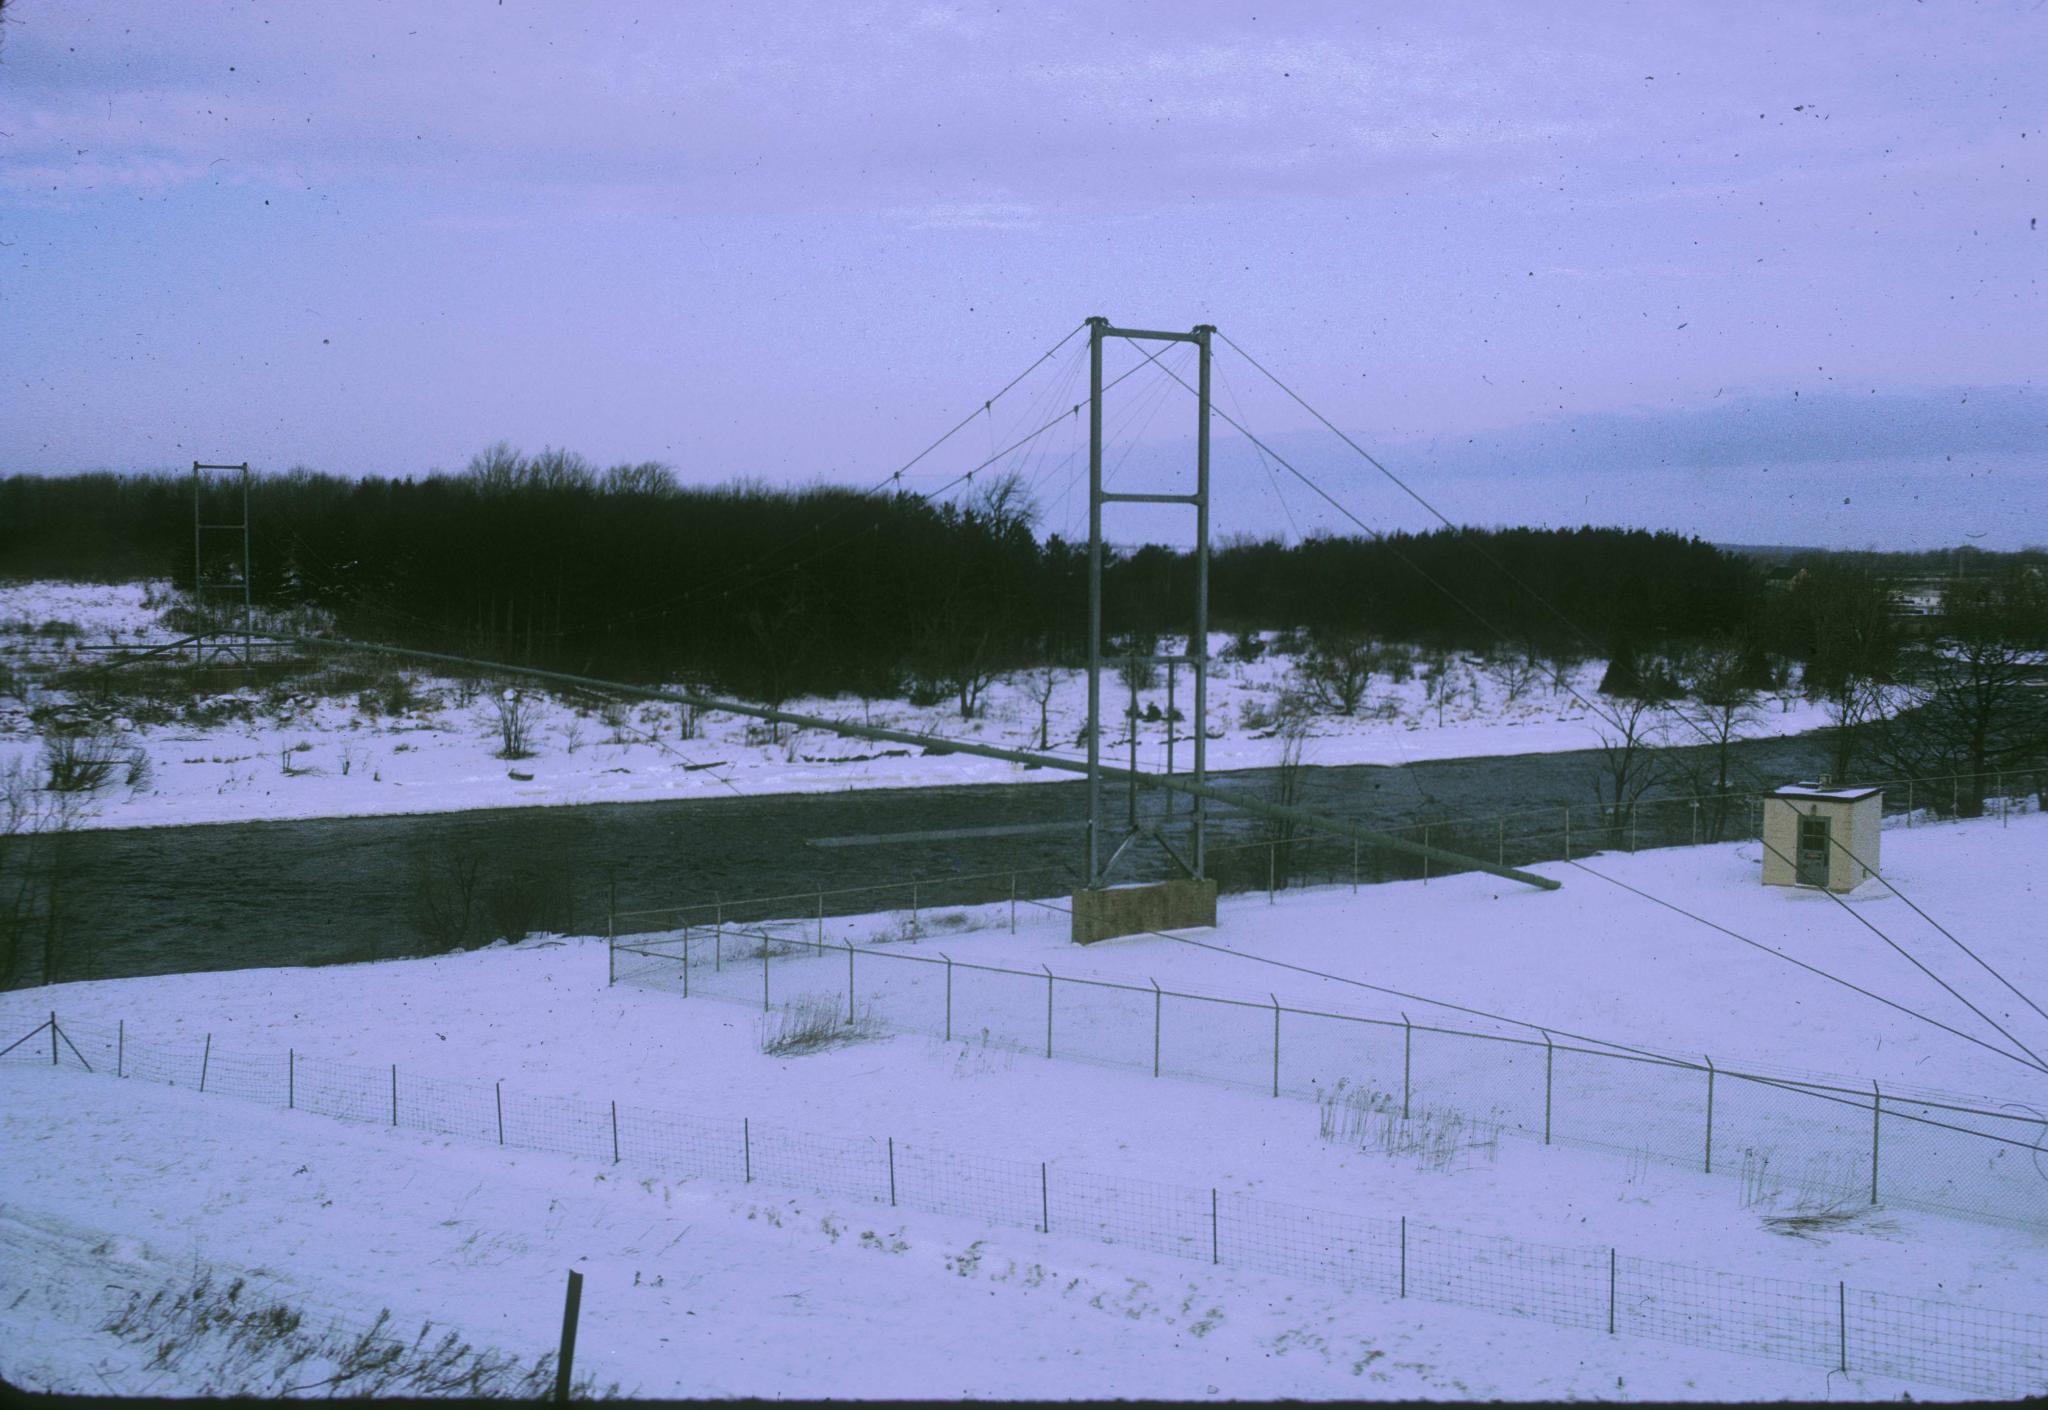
(1132, 910)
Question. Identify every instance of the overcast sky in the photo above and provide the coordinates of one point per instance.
(1765, 273)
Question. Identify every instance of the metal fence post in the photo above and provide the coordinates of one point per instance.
(291, 1079)
(1276, 1041)
(949, 996)
(849, 981)
(1407, 1061)
(1842, 1321)
(913, 910)
(1158, 1004)
(718, 935)
(1876, 1112)
(611, 948)
(121, 1048)
(1567, 832)
(205, 1056)
(1404, 1255)
(1013, 903)
(764, 972)
(686, 961)
(1048, 1010)
(892, 1172)
(394, 1094)
(747, 1148)
(1612, 1260)
(1710, 1115)
(1215, 1245)
(1549, 1066)
(1044, 1199)
(53, 1048)
(821, 920)
(500, 1093)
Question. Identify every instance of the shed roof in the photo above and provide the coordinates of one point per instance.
(1825, 792)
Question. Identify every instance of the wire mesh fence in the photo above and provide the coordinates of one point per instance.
(1839, 1139)
(1981, 1350)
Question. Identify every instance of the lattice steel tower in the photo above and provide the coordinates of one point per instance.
(1098, 868)
(226, 594)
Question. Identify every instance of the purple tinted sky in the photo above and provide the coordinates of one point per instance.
(1763, 273)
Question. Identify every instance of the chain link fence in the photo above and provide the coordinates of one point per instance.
(1832, 1140)
(1980, 1350)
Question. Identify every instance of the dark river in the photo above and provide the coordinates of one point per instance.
(227, 896)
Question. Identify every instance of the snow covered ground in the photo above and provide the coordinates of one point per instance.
(292, 754)
(696, 1290)
(362, 1218)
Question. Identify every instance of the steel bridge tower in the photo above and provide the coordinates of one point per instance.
(1108, 841)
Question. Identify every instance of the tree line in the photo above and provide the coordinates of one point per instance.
(548, 560)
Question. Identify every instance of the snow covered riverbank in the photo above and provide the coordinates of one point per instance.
(397, 740)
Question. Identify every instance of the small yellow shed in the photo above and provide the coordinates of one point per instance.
(1822, 836)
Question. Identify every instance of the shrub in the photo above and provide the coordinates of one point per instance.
(814, 1024)
(78, 762)
(514, 717)
(1244, 648)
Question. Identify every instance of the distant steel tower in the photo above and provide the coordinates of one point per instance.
(229, 596)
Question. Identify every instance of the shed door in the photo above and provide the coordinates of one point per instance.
(1813, 851)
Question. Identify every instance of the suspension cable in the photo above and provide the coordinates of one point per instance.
(1811, 968)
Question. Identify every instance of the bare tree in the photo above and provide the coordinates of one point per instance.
(1005, 503)
(1718, 677)
(1972, 702)
(1514, 670)
(1040, 683)
(1630, 761)
(1561, 665)
(515, 717)
(1839, 621)
(1335, 671)
(1286, 791)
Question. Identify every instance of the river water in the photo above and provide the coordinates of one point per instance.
(227, 896)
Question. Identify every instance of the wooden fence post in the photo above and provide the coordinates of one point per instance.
(566, 1359)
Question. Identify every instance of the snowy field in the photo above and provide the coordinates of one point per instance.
(359, 1218)
(291, 754)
